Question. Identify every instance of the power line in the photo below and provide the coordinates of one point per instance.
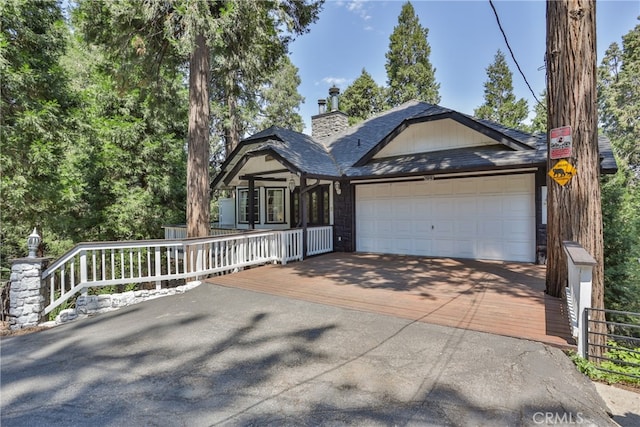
(495, 12)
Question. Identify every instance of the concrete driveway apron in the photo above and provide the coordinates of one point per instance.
(223, 356)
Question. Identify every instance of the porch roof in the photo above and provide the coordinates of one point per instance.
(302, 156)
(298, 152)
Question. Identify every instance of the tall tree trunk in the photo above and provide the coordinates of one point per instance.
(232, 130)
(198, 211)
(574, 211)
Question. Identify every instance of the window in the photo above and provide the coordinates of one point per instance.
(317, 206)
(275, 205)
(243, 205)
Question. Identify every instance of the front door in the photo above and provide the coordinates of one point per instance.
(317, 206)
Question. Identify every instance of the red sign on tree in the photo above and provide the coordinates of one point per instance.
(560, 145)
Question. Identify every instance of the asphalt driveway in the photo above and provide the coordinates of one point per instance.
(223, 356)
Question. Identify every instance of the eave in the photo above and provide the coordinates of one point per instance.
(469, 122)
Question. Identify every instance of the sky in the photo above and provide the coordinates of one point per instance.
(464, 37)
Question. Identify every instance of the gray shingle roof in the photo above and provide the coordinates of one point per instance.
(300, 150)
(350, 153)
(455, 160)
(349, 146)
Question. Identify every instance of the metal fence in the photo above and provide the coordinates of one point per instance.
(621, 351)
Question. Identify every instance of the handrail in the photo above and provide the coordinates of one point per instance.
(133, 243)
(578, 292)
(143, 261)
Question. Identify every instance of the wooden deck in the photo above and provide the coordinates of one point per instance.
(495, 297)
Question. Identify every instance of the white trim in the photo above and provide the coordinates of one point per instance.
(442, 175)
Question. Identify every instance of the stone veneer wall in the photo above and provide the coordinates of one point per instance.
(327, 124)
(26, 295)
(87, 305)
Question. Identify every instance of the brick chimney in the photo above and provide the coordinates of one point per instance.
(329, 123)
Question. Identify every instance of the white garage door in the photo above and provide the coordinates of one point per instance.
(481, 218)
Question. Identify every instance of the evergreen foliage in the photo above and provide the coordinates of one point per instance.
(409, 71)
(539, 122)
(230, 47)
(362, 99)
(500, 103)
(280, 100)
(130, 151)
(35, 109)
(94, 120)
(619, 102)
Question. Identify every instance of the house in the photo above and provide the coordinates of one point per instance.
(419, 179)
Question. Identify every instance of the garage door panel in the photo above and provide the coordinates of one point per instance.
(464, 248)
(383, 191)
(465, 186)
(444, 247)
(485, 218)
(466, 228)
(442, 228)
(424, 188)
(443, 208)
(402, 228)
(490, 229)
(518, 184)
(490, 185)
(491, 249)
(403, 246)
(441, 187)
(465, 205)
(517, 229)
(421, 211)
(519, 203)
(422, 246)
(402, 189)
(490, 207)
(402, 209)
(519, 249)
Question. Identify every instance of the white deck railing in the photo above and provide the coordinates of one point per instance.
(117, 263)
(173, 232)
(319, 240)
(579, 270)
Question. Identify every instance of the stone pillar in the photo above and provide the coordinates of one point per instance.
(26, 296)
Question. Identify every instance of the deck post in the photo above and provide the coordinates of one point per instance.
(303, 215)
(26, 292)
(580, 268)
(251, 203)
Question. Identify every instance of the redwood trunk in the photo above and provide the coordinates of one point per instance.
(198, 223)
(574, 211)
(232, 128)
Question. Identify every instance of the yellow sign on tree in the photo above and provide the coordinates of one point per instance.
(562, 172)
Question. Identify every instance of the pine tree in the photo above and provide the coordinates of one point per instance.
(409, 72)
(619, 106)
(280, 98)
(619, 96)
(500, 103)
(129, 148)
(539, 123)
(362, 99)
(222, 42)
(35, 108)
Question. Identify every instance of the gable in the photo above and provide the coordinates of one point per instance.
(435, 135)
